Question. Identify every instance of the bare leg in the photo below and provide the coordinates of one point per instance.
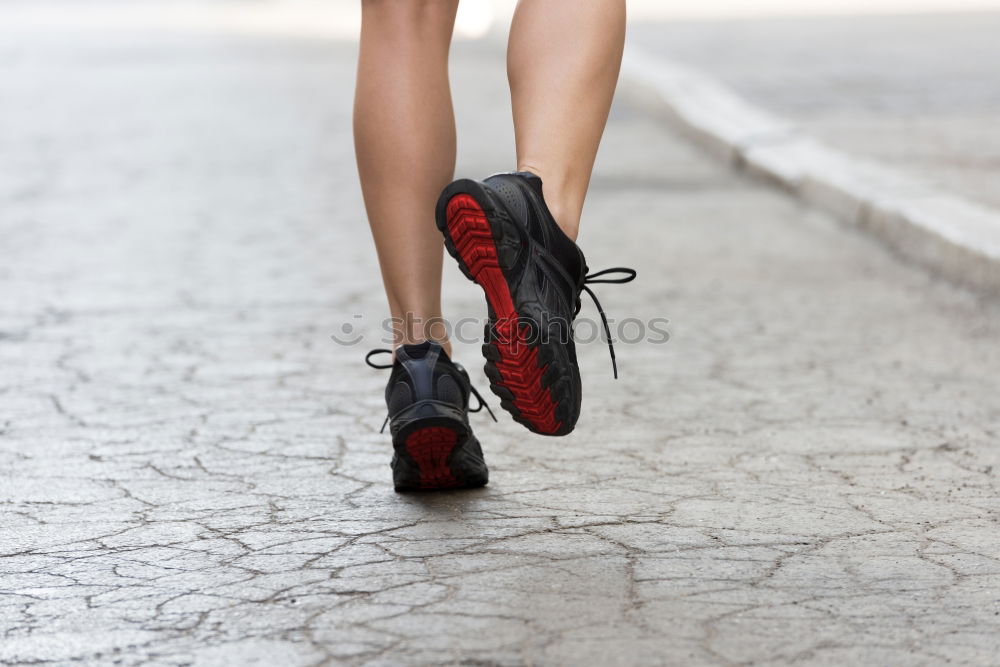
(404, 135)
(563, 59)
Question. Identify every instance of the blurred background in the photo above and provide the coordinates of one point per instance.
(911, 83)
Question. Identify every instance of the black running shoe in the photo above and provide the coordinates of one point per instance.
(505, 239)
(428, 399)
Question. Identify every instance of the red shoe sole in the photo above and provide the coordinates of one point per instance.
(518, 366)
(430, 448)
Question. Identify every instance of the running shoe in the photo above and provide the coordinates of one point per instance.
(505, 239)
(428, 399)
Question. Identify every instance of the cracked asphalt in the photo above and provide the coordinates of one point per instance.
(805, 474)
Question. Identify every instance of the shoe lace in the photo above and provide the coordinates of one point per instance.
(479, 397)
(628, 275)
(372, 353)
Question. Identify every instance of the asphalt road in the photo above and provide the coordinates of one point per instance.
(806, 473)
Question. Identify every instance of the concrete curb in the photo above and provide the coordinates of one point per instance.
(958, 239)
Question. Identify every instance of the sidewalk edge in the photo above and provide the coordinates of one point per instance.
(956, 238)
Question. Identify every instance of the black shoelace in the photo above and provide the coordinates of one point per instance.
(479, 397)
(591, 279)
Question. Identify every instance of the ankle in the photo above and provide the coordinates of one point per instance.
(414, 326)
(568, 221)
(563, 204)
(444, 343)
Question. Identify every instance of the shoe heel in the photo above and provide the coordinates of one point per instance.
(430, 456)
(430, 449)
